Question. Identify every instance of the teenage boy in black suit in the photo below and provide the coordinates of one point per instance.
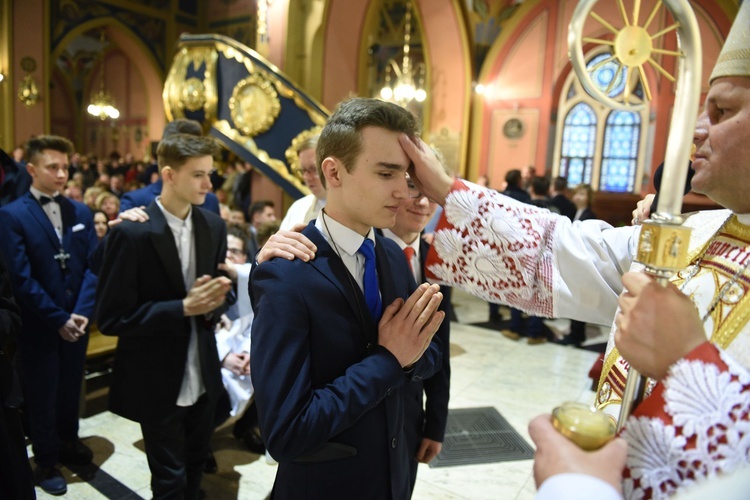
(161, 293)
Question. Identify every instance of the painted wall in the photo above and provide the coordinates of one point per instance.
(445, 44)
(527, 65)
(29, 121)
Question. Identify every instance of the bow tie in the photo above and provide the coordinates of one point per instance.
(46, 199)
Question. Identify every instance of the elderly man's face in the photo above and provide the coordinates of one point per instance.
(722, 161)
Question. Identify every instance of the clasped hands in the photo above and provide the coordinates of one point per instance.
(74, 328)
(205, 295)
(407, 327)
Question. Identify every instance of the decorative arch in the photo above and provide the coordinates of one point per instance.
(140, 59)
(446, 47)
(601, 147)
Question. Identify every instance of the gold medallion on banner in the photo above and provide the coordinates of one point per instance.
(254, 105)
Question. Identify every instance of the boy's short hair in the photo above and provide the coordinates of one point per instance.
(182, 126)
(540, 185)
(238, 233)
(341, 137)
(513, 177)
(175, 150)
(560, 184)
(36, 145)
(258, 207)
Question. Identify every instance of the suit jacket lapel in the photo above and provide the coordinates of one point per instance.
(41, 217)
(202, 238)
(68, 214)
(424, 248)
(330, 265)
(385, 274)
(166, 248)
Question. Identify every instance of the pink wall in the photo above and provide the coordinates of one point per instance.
(29, 42)
(343, 39)
(529, 64)
(441, 32)
(445, 46)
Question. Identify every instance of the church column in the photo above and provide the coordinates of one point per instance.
(29, 58)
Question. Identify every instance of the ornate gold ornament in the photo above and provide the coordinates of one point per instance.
(254, 105)
(28, 92)
(193, 94)
(292, 152)
(248, 143)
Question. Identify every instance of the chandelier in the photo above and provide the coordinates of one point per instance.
(102, 105)
(408, 84)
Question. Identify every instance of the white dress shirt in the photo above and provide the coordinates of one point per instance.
(345, 242)
(182, 230)
(52, 209)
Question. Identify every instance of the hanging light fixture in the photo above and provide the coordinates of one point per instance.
(102, 105)
(408, 84)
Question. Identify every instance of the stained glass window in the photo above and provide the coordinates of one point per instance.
(578, 142)
(604, 73)
(620, 152)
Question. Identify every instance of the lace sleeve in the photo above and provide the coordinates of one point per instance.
(694, 426)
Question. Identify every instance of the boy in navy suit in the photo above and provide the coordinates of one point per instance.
(160, 293)
(330, 374)
(425, 423)
(47, 240)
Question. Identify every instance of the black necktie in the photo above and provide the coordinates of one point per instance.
(46, 199)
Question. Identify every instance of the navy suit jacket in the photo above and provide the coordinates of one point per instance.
(46, 293)
(433, 419)
(564, 205)
(145, 195)
(331, 410)
(140, 300)
(15, 179)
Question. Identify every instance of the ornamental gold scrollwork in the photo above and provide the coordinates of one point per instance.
(292, 152)
(193, 94)
(182, 93)
(249, 144)
(254, 105)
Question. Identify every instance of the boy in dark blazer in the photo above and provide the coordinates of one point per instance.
(47, 240)
(160, 293)
(330, 375)
(425, 422)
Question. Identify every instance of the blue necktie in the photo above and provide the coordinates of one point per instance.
(372, 293)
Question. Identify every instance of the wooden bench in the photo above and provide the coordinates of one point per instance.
(99, 344)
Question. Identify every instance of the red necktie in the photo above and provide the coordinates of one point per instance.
(409, 252)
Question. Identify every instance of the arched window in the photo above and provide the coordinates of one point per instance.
(620, 152)
(593, 144)
(579, 140)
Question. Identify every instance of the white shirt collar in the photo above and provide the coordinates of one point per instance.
(340, 236)
(38, 194)
(175, 223)
(744, 219)
(392, 236)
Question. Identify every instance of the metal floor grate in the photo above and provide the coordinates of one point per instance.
(480, 436)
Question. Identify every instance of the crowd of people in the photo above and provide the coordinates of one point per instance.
(345, 345)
